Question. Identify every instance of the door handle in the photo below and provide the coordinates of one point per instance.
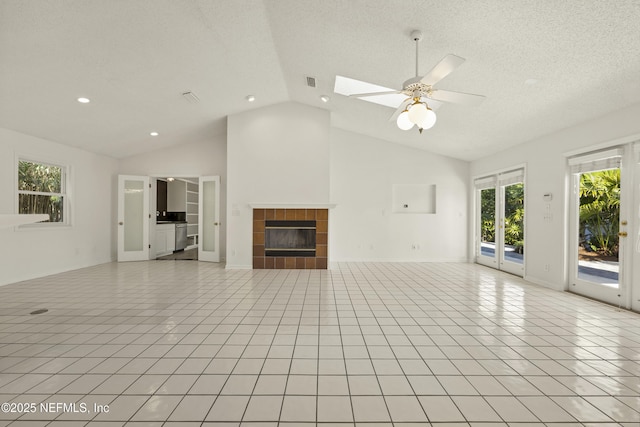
(216, 223)
(622, 234)
(121, 223)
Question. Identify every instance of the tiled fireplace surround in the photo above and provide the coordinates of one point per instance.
(260, 261)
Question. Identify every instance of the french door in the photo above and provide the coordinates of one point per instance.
(133, 218)
(209, 219)
(500, 227)
(599, 226)
(134, 221)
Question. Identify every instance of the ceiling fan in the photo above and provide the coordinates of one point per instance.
(417, 93)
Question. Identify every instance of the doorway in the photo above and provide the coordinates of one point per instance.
(138, 228)
(500, 221)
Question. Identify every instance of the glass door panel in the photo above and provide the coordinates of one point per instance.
(133, 218)
(209, 223)
(487, 227)
(598, 226)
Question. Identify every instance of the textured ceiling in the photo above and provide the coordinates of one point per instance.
(134, 59)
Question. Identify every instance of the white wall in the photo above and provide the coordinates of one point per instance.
(192, 159)
(547, 242)
(276, 154)
(363, 227)
(90, 240)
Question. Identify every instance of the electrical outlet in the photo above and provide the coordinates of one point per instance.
(547, 267)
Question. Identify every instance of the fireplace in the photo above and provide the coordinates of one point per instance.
(290, 238)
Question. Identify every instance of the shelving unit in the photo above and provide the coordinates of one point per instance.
(192, 213)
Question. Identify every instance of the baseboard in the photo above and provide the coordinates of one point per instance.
(543, 283)
(399, 260)
(238, 267)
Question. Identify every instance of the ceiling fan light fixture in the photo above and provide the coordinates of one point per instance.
(429, 120)
(403, 121)
(417, 112)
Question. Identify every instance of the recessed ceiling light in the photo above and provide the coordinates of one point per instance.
(83, 100)
(154, 134)
(171, 179)
(531, 82)
(250, 98)
(324, 98)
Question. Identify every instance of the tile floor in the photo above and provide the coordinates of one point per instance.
(366, 344)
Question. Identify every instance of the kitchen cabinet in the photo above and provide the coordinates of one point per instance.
(165, 239)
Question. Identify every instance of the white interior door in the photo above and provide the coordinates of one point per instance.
(209, 219)
(133, 218)
(599, 227)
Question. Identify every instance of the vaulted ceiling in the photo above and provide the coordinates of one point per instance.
(135, 58)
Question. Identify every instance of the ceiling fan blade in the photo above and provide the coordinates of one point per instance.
(457, 97)
(364, 95)
(399, 110)
(442, 69)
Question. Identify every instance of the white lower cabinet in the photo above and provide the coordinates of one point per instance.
(165, 239)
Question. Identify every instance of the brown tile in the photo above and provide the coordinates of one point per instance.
(280, 214)
(258, 250)
(258, 225)
(270, 262)
(290, 262)
(322, 214)
(309, 263)
(301, 214)
(321, 263)
(322, 238)
(258, 262)
(270, 214)
(322, 226)
(258, 214)
(258, 238)
(280, 263)
(299, 262)
(310, 214)
(290, 214)
(321, 251)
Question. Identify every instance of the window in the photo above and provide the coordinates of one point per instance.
(42, 190)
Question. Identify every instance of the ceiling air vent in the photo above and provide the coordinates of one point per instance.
(191, 97)
(311, 81)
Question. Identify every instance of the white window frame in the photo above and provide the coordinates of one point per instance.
(64, 188)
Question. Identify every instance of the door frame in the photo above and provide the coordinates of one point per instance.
(621, 295)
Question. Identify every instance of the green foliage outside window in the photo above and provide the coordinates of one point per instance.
(40, 190)
(600, 211)
(514, 215)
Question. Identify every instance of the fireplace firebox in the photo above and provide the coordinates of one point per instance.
(290, 238)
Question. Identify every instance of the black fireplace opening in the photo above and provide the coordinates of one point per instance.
(290, 238)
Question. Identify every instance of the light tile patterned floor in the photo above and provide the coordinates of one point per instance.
(367, 344)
